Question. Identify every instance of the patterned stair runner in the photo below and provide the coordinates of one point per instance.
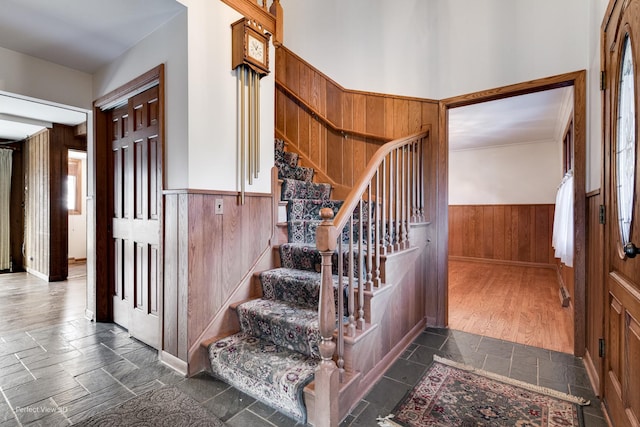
(276, 353)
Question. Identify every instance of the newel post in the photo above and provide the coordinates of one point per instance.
(326, 379)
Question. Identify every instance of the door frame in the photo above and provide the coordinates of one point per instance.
(576, 79)
(103, 197)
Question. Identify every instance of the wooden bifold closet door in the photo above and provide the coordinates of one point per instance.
(136, 171)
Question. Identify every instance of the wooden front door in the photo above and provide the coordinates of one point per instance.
(621, 57)
(136, 171)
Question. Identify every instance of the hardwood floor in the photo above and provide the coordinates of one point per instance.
(512, 303)
(29, 302)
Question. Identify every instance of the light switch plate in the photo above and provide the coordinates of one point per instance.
(219, 207)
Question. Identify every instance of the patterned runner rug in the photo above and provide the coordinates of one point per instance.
(163, 407)
(450, 394)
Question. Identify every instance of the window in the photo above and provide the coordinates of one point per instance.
(625, 156)
(74, 187)
(567, 149)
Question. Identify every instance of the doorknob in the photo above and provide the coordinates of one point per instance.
(631, 250)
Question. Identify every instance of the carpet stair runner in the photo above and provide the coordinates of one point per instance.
(275, 354)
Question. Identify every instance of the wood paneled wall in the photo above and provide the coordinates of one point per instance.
(37, 206)
(595, 290)
(338, 130)
(515, 233)
(207, 256)
(46, 219)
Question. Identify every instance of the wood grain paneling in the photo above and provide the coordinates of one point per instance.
(517, 233)
(46, 216)
(335, 129)
(207, 256)
(37, 204)
(594, 291)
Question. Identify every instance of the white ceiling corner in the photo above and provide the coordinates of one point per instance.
(80, 34)
(524, 119)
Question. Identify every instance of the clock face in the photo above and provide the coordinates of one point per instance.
(255, 48)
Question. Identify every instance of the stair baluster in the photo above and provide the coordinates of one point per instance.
(326, 377)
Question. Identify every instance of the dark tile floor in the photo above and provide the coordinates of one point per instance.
(55, 376)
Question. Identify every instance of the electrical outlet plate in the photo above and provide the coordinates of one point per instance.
(219, 207)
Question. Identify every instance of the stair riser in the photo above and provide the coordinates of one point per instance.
(294, 329)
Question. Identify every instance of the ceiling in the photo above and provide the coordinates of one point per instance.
(87, 34)
(525, 119)
(80, 34)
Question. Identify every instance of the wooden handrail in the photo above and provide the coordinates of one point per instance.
(315, 113)
(352, 200)
(373, 221)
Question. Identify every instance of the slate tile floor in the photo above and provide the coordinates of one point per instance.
(58, 375)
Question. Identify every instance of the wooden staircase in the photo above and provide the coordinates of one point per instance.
(364, 266)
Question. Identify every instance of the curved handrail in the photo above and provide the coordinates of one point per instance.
(387, 197)
(353, 198)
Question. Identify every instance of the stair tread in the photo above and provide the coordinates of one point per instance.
(270, 373)
(301, 287)
(283, 323)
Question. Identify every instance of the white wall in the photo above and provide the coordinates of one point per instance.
(167, 45)
(597, 8)
(443, 48)
(213, 135)
(518, 174)
(78, 223)
(32, 77)
(437, 48)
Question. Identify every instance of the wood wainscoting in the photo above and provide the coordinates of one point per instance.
(207, 258)
(46, 216)
(337, 130)
(595, 291)
(513, 233)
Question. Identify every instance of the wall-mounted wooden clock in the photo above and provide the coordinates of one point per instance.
(250, 46)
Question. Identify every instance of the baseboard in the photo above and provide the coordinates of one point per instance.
(37, 274)
(563, 292)
(88, 314)
(592, 372)
(501, 261)
(174, 363)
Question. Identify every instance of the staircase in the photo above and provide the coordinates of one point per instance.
(346, 295)
(275, 354)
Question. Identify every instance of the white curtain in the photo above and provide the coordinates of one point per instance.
(5, 204)
(562, 240)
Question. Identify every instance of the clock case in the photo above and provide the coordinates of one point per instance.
(240, 31)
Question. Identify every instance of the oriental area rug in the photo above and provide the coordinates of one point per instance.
(163, 407)
(450, 394)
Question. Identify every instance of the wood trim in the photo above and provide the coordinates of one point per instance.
(217, 192)
(576, 79)
(103, 195)
(132, 88)
(173, 362)
(595, 292)
(502, 262)
(250, 9)
(441, 239)
(372, 167)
